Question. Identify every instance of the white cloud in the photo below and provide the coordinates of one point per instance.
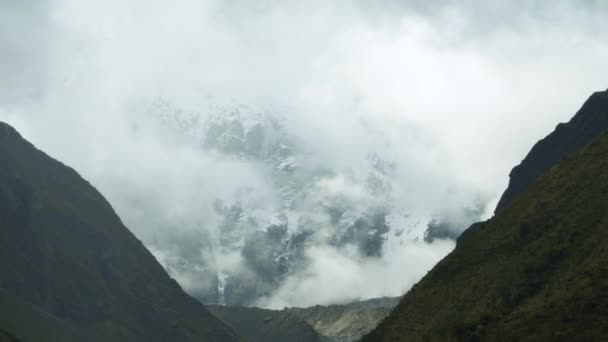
(343, 276)
(455, 95)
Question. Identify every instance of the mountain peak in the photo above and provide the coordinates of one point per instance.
(535, 271)
(8, 132)
(588, 123)
(67, 259)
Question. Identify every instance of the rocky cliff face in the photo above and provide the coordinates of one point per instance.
(587, 124)
(538, 270)
(262, 325)
(68, 266)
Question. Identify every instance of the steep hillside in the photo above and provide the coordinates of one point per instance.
(538, 271)
(30, 323)
(69, 267)
(317, 202)
(589, 122)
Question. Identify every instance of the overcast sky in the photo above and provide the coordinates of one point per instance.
(457, 91)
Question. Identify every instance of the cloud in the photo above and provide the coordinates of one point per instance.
(447, 97)
(344, 277)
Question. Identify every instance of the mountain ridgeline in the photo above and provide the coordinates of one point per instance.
(538, 270)
(588, 123)
(71, 271)
(332, 323)
(348, 322)
(307, 210)
(262, 325)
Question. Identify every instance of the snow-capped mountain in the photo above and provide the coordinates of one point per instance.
(253, 247)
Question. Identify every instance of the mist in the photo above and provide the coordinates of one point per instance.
(388, 114)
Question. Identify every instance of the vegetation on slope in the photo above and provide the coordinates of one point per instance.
(538, 271)
(30, 323)
(66, 254)
(588, 123)
(6, 337)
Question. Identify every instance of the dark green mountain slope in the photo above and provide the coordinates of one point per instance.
(6, 337)
(589, 122)
(31, 323)
(66, 256)
(538, 271)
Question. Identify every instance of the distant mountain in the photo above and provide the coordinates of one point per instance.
(262, 325)
(314, 204)
(537, 271)
(588, 123)
(349, 322)
(332, 323)
(71, 271)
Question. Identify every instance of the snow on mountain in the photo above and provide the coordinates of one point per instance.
(254, 247)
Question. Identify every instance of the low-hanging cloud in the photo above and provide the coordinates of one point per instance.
(415, 112)
(343, 276)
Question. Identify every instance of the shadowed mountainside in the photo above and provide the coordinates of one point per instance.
(6, 337)
(332, 323)
(261, 325)
(69, 268)
(588, 123)
(346, 323)
(537, 271)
